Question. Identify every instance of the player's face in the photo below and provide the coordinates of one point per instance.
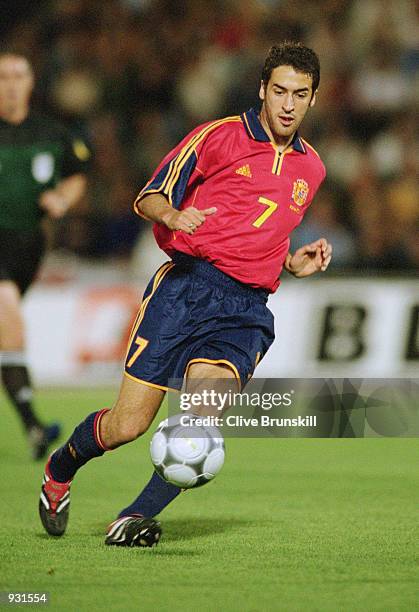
(16, 83)
(286, 100)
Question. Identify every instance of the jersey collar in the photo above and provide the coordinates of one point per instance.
(255, 130)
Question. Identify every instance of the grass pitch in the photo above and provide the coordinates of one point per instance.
(289, 524)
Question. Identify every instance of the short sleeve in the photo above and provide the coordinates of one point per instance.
(77, 155)
(173, 174)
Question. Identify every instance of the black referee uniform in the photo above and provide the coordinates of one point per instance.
(34, 156)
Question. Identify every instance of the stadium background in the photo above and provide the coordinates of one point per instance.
(335, 518)
(135, 76)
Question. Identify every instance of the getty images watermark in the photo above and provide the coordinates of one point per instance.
(219, 401)
(237, 420)
(324, 408)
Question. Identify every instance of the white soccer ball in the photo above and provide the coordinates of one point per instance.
(187, 454)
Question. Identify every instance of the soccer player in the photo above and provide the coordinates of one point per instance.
(42, 172)
(223, 203)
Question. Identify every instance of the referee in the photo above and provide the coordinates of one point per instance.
(42, 172)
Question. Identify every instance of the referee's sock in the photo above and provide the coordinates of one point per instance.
(83, 444)
(156, 495)
(17, 383)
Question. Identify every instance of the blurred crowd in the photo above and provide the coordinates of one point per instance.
(134, 76)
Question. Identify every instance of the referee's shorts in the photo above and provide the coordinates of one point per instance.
(21, 253)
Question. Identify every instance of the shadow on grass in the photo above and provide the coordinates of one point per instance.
(174, 530)
(191, 528)
(187, 528)
(163, 550)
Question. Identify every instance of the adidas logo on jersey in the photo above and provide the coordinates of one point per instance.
(244, 171)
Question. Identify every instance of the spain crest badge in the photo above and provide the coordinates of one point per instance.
(300, 192)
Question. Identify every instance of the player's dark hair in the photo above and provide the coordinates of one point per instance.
(294, 54)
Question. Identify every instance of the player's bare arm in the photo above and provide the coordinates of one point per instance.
(69, 191)
(309, 259)
(156, 207)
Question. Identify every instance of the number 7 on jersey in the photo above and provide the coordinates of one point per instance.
(272, 206)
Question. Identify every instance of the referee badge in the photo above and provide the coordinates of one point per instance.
(43, 167)
(300, 192)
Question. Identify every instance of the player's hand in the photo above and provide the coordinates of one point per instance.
(53, 203)
(310, 258)
(187, 220)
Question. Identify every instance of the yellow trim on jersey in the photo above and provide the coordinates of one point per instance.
(283, 154)
(310, 147)
(149, 384)
(138, 198)
(215, 362)
(190, 147)
(248, 126)
(180, 160)
(276, 158)
(160, 274)
(279, 159)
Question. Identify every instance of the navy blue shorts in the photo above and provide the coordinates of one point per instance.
(192, 312)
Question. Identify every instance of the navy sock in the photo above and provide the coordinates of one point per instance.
(156, 495)
(84, 444)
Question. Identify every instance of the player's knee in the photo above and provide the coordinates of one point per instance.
(131, 430)
(126, 428)
(11, 318)
(10, 302)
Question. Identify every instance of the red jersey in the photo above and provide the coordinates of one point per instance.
(261, 196)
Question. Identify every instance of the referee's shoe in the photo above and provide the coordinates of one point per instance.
(54, 504)
(40, 439)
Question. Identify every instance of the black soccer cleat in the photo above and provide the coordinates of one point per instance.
(54, 504)
(133, 531)
(41, 437)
